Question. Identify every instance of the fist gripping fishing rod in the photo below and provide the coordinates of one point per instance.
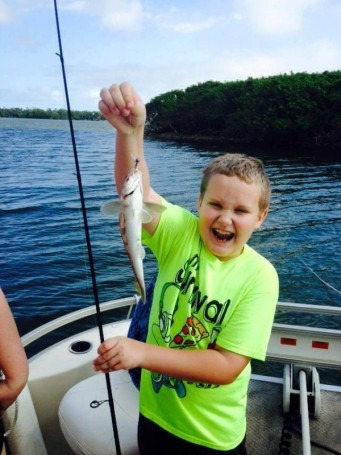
(87, 233)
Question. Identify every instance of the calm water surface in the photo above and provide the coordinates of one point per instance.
(44, 265)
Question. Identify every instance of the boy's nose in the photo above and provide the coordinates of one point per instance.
(226, 217)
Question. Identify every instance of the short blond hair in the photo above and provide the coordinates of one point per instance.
(247, 168)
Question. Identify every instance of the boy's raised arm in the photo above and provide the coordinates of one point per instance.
(124, 110)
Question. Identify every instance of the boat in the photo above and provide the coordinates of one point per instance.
(64, 408)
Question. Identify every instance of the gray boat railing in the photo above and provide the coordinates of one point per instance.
(288, 343)
(314, 346)
(308, 308)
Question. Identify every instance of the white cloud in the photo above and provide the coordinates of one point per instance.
(75, 5)
(51, 96)
(155, 78)
(5, 14)
(227, 50)
(33, 96)
(276, 17)
(191, 27)
(239, 67)
(182, 21)
(326, 54)
(237, 17)
(121, 14)
(115, 14)
(94, 93)
(319, 56)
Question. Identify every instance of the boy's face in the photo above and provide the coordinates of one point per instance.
(228, 214)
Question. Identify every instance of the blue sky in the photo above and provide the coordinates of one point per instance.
(158, 45)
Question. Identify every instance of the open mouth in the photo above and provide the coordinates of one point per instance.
(223, 236)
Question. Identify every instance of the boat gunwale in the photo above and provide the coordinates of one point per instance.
(77, 315)
(308, 308)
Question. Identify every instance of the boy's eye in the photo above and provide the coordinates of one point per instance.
(215, 205)
(242, 211)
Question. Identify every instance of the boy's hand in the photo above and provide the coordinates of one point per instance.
(119, 353)
(122, 108)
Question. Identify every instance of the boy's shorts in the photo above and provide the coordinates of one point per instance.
(154, 440)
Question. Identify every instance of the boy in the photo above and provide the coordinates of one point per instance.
(213, 305)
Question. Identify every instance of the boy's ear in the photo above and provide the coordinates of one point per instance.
(199, 201)
(261, 218)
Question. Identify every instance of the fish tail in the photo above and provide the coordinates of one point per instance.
(141, 290)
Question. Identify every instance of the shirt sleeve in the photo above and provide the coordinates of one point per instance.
(249, 323)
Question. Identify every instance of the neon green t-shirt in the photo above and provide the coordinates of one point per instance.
(199, 301)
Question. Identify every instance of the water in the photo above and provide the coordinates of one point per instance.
(43, 258)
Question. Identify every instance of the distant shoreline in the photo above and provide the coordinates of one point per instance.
(48, 114)
(231, 144)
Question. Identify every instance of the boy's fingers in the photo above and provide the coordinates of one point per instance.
(127, 92)
(106, 97)
(112, 98)
(104, 108)
(117, 98)
(106, 346)
(120, 100)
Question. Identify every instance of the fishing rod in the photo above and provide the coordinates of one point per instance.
(87, 232)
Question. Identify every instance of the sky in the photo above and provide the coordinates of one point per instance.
(157, 45)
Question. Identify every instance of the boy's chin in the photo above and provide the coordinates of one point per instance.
(225, 252)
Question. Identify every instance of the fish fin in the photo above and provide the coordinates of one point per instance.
(142, 252)
(150, 208)
(146, 216)
(154, 208)
(111, 208)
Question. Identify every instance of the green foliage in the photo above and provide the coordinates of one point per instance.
(295, 109)
(56, 114)
(285, 110)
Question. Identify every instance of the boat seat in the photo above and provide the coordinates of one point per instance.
(88, 429)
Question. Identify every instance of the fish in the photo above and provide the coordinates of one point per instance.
(133, 212)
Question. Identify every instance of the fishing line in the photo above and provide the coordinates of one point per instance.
(87, 232)
(317, 276)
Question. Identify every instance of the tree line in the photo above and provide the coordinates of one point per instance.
(295, 109)
(286, 110)
(54, 114)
